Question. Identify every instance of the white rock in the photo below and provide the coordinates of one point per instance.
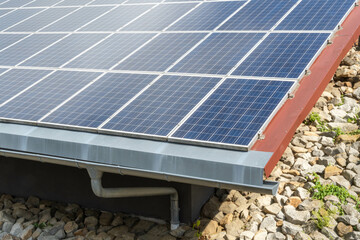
(294, 216)
(247, 235)
(269, 224)
(341, 181)
(289, 228)
(275, 236)
(260, 235)
(327, 141)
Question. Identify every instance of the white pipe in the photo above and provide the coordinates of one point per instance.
(99, 191)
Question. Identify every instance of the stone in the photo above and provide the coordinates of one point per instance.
(70, 227)
(4, 217)
(275, 236)
(329, 232)
(7, 226)
(331, 171)
(179, 232)
(310, 205)
(327, 141)
(105, 218)
(294, 216)
(349, 175)
(247, 235)
(269, 224)
(343, 229)
(289, 228)
(294, 201)
(326, 161)
(234, 228)
(344, 127)
(302, 193)
(118, 220)
(352, 235)
(260, 235)
(341, 181)
(91, 222)
(348, 138)
(210, 228)
(119, 231)
(356, 180)
(272, 209)
(16, 229)
(315, 169)
(211, 208)
(356, 93)
(263, 201)
(302, 236)
(143, 226)
(27, 232)
(299, 150)
(226, 219)
(227, 207)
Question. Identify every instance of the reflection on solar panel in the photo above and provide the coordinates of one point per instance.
(202, 72)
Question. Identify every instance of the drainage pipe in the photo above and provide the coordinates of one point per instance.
(99, 191)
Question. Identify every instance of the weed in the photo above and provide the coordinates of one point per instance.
(322, 218)
(196, 226)
(40, 225)
(354, 119)
(321, 191)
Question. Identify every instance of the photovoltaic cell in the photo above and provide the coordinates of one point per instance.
(316, 15)
(26, 48)
(110, 51)
(218, 54)
(143, 1)
(159, 17)
(16, 80)
(106, 2)
(63, 51)
(258, 15)
(283, 55)
(73, 2)
(163, 105)
(15, 3)
(76, 19)
(40, 20)
(8, 39)
(161, 52)
(207, 16)
(46, 95)
(235, 112)
(43, 3)
(2, 70)
(117, 18)
(4, 11)
(98, 102)
(17, 16)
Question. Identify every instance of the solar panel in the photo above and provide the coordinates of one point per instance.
(282, 55)
(46, 95)
(316, 15)
(98, 102)
(218, 54)
(40, 20)
(64, 50)
(201, 72)
(7, 39)
(235, 112)
(207, 16)
(16, 16)
(161, 52)
(258, 15)
(162, 105)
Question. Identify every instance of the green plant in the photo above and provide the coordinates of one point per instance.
(322, 218)
(337, 131)
(40, 225)
(354, 119)
(342, 101)
(196, 226)
(320, 191)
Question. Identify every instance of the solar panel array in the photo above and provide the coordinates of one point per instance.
(208, 72)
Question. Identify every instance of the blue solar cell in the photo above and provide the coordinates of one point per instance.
(4, 11)
(98, 102)
(2, 70)
(282, 55)
(117, 18)
(258, 15)
(107, 2)
(26, 48)
(158, 109)
(316, 15)
(76, 19)
(8, 39)
(73, 2)
(17, 16)
(15, 3)
(159, 17)
(235, 112)
(43, 3)
(161, 52)
(64, 50)
(184, 0)
(46, 95)
(207, 16)
(218, 54)
(111, 51)
(16, 80)
(41, 20)
(143, 1)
